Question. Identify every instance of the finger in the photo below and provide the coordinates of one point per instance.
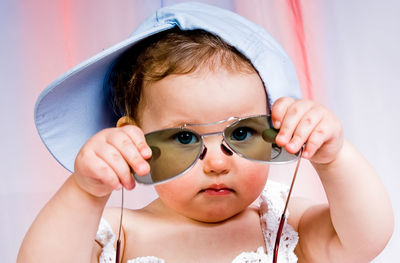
(97, 170)
(294, 114)
(137, 136)
(279, 109)
(330, 135)
(316, 139)
(127, 148)
(304, 129)
(113, 158)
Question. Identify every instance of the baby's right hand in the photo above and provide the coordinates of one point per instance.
(104, 162)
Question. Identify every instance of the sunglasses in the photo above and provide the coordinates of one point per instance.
(176, 150)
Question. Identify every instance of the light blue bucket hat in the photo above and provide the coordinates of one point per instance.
(74, 107)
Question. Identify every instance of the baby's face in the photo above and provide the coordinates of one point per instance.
(220, 185)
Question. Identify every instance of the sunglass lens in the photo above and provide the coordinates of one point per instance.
(173, 152)
(254, 138)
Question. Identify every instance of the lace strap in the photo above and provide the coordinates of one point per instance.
(272, 203)
(105, 236)
(252, 257)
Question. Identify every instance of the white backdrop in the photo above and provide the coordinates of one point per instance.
(352, 57)
(362, 70)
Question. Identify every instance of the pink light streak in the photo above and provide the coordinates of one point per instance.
(294, 8)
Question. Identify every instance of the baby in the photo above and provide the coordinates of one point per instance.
(195, 89)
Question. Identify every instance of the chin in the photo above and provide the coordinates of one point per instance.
(214, 216)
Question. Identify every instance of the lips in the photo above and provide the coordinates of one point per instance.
(217, 189)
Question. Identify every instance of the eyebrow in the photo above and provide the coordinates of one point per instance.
(182, 120)
(200, 125)
(182, 123)
(175, 124)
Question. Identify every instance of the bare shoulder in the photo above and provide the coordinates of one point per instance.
(131, 218)
(112, 216)
(130, 222)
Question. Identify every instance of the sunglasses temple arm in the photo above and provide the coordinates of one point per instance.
(117, 252)
(283, 217)
(118, 248)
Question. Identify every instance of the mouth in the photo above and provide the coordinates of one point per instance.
(217, 189)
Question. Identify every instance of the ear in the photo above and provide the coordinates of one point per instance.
(125, 120)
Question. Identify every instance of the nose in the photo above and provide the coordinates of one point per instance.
(216, 158)
(224, 148)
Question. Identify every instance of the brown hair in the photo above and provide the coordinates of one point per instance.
(170, 52)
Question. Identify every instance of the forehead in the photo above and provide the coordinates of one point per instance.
(201, 97)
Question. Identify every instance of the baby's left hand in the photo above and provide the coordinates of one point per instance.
(307, 122)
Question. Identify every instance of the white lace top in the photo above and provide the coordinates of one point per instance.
(271, 203)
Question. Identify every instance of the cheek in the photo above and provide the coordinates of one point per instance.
(254, 179)
(177, 191)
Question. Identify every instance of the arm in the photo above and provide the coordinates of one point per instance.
(65, 229)
(358, 222)
(359, 206)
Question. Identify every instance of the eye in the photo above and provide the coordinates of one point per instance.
(241, 134)
(186, 137)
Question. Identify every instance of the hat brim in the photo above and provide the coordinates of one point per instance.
(75, 106)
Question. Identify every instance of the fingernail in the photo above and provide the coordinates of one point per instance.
(146, 152)
(277, 124)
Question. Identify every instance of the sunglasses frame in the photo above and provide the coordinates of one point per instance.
(201, 136)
